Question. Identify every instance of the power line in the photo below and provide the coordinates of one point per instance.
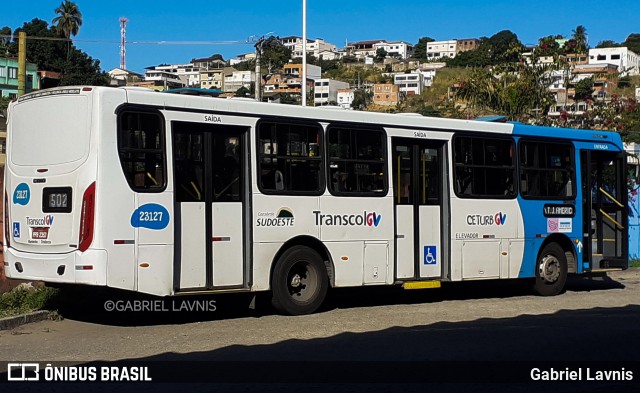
(138, 42)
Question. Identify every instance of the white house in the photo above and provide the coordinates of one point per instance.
(441, 49)
(627, 61)
(326, 91)
(429, 71)
(242, 58)
(362, 49)
(187, 73)
(161, 77)
(409, 84)
(345, 98)
(401, 49)
(120, 76)
(239, 79)
(314, 47)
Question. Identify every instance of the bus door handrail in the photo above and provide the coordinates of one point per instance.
(610, 197)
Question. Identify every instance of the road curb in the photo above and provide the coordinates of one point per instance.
(13, 322)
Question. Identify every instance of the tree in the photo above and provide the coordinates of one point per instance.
(242, 92)
(68, 21)
(5, 41)
(361, 99)
(82, 69)
(49, 55)
(515, 90)
(633, 43)
(580, 37)
(274, 53)
(584, 89)
(420, 49)
(548, 46)
(4, 104)
(502, 47)
(607, 44)
(76, 66)
(381, 54)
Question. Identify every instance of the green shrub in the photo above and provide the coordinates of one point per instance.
(24, 299)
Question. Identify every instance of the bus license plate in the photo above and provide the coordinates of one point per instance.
(40, 233)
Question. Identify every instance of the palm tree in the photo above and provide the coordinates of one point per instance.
(68, 21)
(580, 36)
(515, 90)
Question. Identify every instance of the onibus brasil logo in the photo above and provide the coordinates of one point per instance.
(370, 219)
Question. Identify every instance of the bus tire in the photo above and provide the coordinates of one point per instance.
(551, 271)
(299, 282)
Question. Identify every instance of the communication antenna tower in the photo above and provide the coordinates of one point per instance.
(123, 51)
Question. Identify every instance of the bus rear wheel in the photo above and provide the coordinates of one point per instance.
(299, 282)
(551, 271)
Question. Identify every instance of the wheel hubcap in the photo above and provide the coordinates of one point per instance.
(549, 269)
(303, 282)
(296, 281)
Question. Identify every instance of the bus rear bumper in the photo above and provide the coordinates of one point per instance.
(89, 267)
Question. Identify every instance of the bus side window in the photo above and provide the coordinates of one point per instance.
(289, 158)
(141, 150)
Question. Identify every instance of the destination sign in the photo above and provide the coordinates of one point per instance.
(559, 210)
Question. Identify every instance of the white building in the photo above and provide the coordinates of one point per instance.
(401, 49)
(318, 47)
(345, 98)
(120, 77)
(409, 84)
(329, 55)
(441, 49)
(167, 79)
(362, 49)
(429, 72)
(326, 91)
(628, 62)
(187, 73)
(242, 58)
(238, 79)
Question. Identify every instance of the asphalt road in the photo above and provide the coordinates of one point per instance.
(596, 320)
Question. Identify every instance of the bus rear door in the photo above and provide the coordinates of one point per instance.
(209, 167)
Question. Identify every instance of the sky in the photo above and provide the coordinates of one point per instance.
(160, 32)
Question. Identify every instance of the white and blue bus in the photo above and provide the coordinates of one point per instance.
(170, 194)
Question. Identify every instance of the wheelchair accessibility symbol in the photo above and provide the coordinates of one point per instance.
(16, 229)
(430, 255)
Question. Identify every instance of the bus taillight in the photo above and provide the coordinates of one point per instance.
(87, 218)
(7, 234)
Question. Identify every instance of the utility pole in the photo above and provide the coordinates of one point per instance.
(304, 52)
(22, 63)
(258, 85)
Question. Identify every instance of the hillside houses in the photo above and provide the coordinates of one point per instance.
(406, 73)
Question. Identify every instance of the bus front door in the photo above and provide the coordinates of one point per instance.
(210, 192)
(418, 196)
(605, 210)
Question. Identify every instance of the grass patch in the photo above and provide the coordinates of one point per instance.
(634, 262)
(23, 299)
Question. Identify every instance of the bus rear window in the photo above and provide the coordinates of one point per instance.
(49, 132)
(141, 150)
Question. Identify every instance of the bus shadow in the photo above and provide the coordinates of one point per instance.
(466, 290)
(478, 356)
(122, 308)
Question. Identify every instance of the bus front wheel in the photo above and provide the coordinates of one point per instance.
(299, 282)
(551, 270)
